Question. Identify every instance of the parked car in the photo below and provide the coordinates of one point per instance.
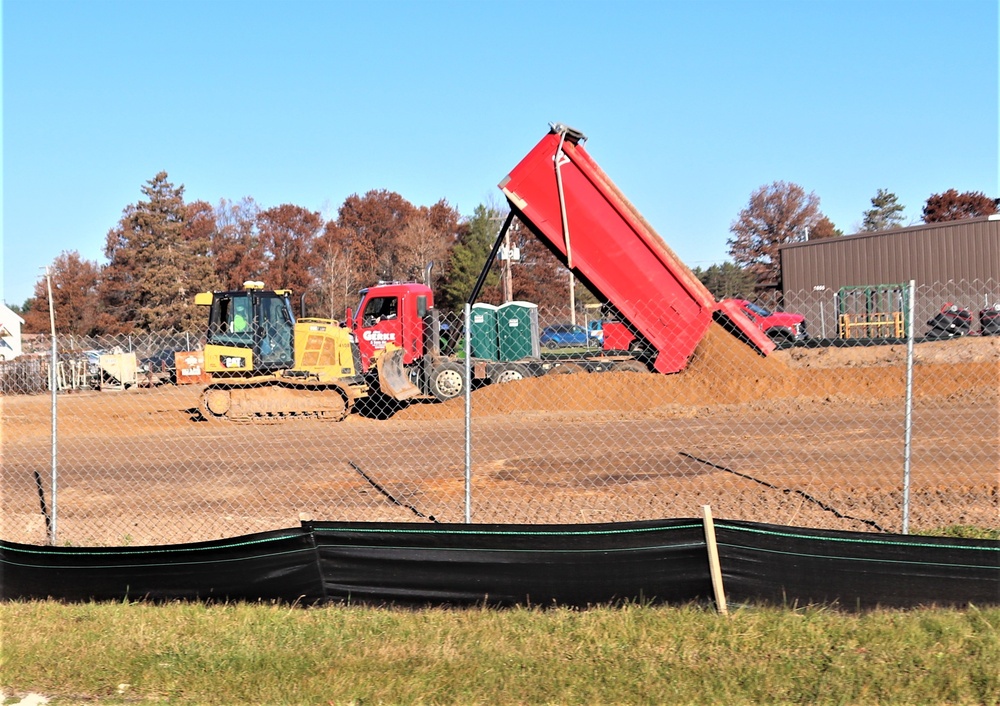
(563, 336)
(780, 326)
(595, 329)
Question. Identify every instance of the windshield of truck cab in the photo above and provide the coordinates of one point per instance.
(758, 309)
(379, 308)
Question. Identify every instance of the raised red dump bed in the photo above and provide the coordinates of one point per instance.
(571, 204)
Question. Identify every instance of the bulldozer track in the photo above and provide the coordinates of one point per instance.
(275, 402)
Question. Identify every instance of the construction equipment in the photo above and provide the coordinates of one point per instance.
(661, 310)
(265, 365)
(952, 321)
(393, 343)
(572, 206)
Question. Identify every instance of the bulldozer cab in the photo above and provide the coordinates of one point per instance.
(257, 320)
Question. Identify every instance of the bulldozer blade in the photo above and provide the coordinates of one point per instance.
(392, 377)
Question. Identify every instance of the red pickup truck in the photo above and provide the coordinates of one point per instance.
(780, 326)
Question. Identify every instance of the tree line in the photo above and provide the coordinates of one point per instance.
(781, 213)
(164, 249)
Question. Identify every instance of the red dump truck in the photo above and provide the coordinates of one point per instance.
(568, 202)
(661, 311)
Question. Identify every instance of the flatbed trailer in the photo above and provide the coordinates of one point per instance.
(507, 371)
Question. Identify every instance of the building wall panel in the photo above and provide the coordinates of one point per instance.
(957, 251)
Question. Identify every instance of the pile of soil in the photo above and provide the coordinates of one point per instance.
(723, 370)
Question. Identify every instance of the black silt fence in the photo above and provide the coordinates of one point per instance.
(504, 565)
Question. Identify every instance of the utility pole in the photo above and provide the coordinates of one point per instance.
(572, 298)
(505, 269)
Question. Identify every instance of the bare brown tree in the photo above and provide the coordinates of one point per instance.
(288, 236)
(777, 213)
(74, 295)
(422, 244)
(372, 225)
(236, 249)
(335, 275)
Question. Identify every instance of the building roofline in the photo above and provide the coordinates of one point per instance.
(894, 231)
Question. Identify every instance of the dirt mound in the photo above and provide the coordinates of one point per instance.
(723, 370)
(958, 351)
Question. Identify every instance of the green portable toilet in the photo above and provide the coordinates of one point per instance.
(517, 330)
(483, 331)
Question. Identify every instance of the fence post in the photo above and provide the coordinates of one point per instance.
(467, 325)
(908, 415)
(54, 387)
(714, 565)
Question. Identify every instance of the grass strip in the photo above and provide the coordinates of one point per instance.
(188, 653)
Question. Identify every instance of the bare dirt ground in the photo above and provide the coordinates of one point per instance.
(810, 437)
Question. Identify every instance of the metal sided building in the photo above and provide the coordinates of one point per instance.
(953, 262)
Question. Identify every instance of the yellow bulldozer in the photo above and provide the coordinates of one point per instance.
(266, 365)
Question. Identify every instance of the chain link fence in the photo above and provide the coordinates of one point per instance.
(815, 434)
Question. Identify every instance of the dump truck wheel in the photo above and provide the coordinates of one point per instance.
(510, 373)
(447, 381)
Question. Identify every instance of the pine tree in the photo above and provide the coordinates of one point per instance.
(886, 213)
(469, 255)
(727, 281)
(156, 263)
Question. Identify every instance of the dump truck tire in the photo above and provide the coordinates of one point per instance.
(447, 381)
(512, 372)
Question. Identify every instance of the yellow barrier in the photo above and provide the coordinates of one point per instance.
(875, 325)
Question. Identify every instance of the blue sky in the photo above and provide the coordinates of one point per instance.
(689, 106)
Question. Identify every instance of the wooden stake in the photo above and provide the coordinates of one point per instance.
(714, 566)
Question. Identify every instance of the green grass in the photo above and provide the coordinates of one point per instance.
(187, 653)
(964, 532)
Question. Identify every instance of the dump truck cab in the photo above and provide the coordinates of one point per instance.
(392, 315)
(399, 340)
